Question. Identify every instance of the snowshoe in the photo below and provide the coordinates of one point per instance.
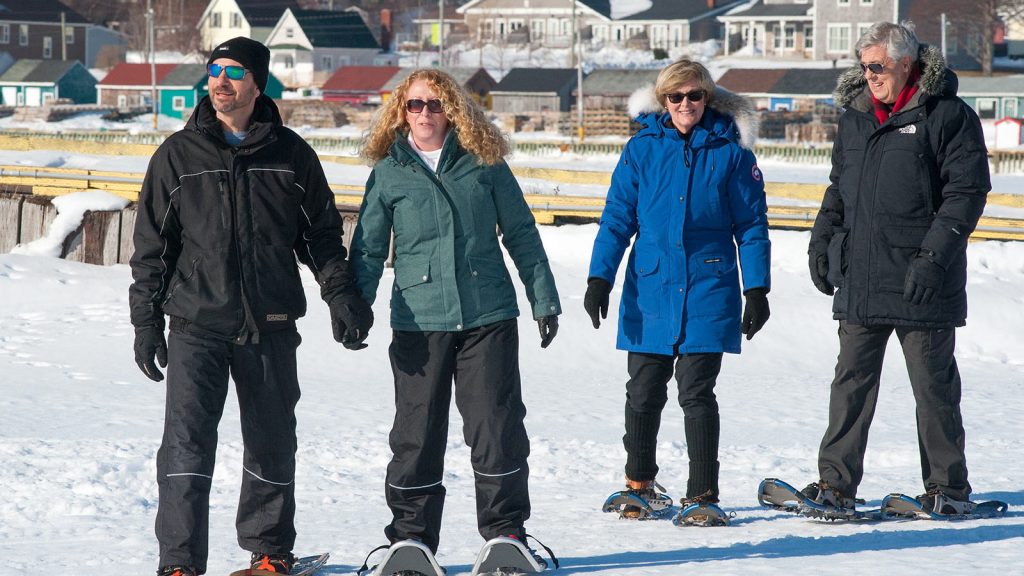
(404, 558)
(817, 500)
(937, 506)
(639, 501)
(701, 510)
(507, 555)
(306, 566)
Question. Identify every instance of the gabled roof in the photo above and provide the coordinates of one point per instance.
(359, 78)
(536, 80)
(326, 29)
(783, 81)
(602, 7)
(30, 70)
(681, 10)
(125, 74)
(38, 11)
(761, 10)
(265, 13)
(184, 75)
(460, 74)
(617, 82)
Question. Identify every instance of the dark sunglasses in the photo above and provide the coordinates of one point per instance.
(416, 106)
(233, 72)
(677, 97)
(875, 68)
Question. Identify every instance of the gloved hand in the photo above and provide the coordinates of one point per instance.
(149, 345)
(924, 279)
(596, 299)
(548, 328)
(351, 320)
(818, 264)
(756, 312)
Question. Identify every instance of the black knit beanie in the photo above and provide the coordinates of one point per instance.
(249, 53)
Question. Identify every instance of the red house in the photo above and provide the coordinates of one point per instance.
(128, 86)
(358, 84)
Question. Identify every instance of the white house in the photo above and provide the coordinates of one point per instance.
(225, 19)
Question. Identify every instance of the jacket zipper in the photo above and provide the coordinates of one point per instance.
(248, 331)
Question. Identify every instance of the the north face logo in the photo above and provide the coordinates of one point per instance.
(911, 129)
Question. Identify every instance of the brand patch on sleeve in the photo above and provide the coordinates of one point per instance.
(755, 173)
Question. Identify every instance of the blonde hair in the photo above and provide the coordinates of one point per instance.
(681, 72)
(475, 133)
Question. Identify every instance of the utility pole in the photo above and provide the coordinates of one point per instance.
(151, 49)
(63, 37)
(440, 33)
(577, 50)
(572, 44)
(942, 27)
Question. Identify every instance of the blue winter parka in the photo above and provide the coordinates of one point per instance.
(691, 207)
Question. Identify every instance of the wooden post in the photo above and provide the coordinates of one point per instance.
(97, 240)
(10, 220)
(126, 244)
(37, 212)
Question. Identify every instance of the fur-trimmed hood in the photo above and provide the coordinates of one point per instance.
(738, 112)
(936, 80)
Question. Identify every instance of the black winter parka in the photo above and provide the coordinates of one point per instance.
(916, 184)
(219, 229)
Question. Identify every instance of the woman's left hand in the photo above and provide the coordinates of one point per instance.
(548, 328)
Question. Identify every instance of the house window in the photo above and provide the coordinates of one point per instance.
(23, 34)
(326, 63)
(537, 29)
(677, 36)
(838, 38)
(47, 47)
(809, 38)
(289, 33)
(289, 62)
(236, 20)
(843, 2)
(790, 37)
(178, 103)
(987, 108)
(777, 37)
(215, 20)
(862, 29)
(122, 102)
(867, 2)
(69, 35)
(5, 34)
(1009, 107)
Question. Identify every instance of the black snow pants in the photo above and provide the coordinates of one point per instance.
(197, 384)
(484, 365)
(935, 379)
(646, 396)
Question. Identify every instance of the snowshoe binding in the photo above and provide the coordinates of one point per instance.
(306, 566)
(641, 500)
(824, 502)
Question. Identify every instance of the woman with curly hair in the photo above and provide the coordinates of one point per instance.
(440, 186)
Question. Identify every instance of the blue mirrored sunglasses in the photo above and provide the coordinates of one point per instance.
(233, 72)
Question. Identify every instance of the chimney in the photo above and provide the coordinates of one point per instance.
(711, 4)
(385, 29)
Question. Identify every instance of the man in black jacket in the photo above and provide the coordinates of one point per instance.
(227, 205)
(909, 181)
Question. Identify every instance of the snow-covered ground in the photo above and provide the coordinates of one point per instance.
(81, 426)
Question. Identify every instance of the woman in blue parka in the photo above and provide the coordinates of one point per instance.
(688, 194)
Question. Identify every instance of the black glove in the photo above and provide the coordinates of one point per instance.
(924, 279)
(351, 319)
(150, 344)
(548, 328)
(756, 312)
(596, 299)
(818, 264)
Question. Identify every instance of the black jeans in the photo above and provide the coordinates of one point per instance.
(483, 363)
(646, 396)
(936, 383)
(197, 384)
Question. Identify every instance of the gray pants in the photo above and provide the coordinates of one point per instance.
(936, 383)
(197, 386)
(483, 363)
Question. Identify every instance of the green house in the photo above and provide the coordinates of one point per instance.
(35, 82)
(181, 90)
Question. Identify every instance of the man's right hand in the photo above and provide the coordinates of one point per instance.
(819, 273)
(595, 301)
(351, 320)
(149, 345)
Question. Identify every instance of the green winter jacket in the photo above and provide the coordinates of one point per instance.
(450, 274)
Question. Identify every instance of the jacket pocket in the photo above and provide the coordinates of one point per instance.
(411, 273)
(649, 285)
(180, 280)
(713, 288)
(491, 285)
(837, 258)
(899, 244)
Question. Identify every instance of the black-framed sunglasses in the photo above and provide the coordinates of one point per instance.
(416, 106)
(692, 96)
(875, 68)
(233, 72)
